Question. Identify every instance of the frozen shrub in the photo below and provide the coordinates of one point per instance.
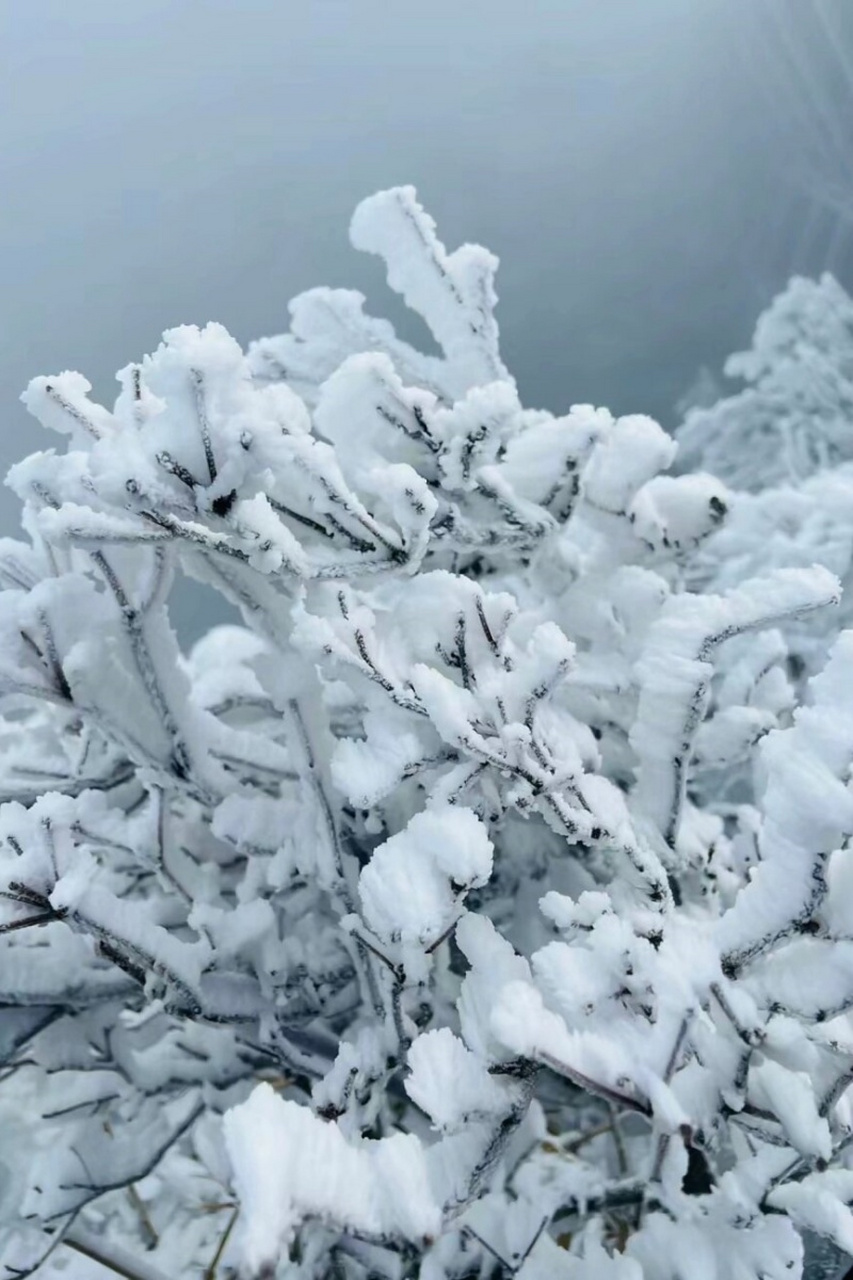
(480, 906)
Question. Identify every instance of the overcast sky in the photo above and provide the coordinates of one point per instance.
(637, 165)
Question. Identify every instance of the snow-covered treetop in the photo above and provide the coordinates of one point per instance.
(460, 911)
(793, 417)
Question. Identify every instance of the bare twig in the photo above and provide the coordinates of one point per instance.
(111, 1256)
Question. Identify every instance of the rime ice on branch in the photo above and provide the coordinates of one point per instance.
(446, 877)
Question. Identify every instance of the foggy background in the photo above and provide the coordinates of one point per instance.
(650, 172)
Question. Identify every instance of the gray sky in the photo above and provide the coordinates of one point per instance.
(171, 161)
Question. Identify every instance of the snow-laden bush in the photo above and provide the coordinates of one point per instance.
(481, 906)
